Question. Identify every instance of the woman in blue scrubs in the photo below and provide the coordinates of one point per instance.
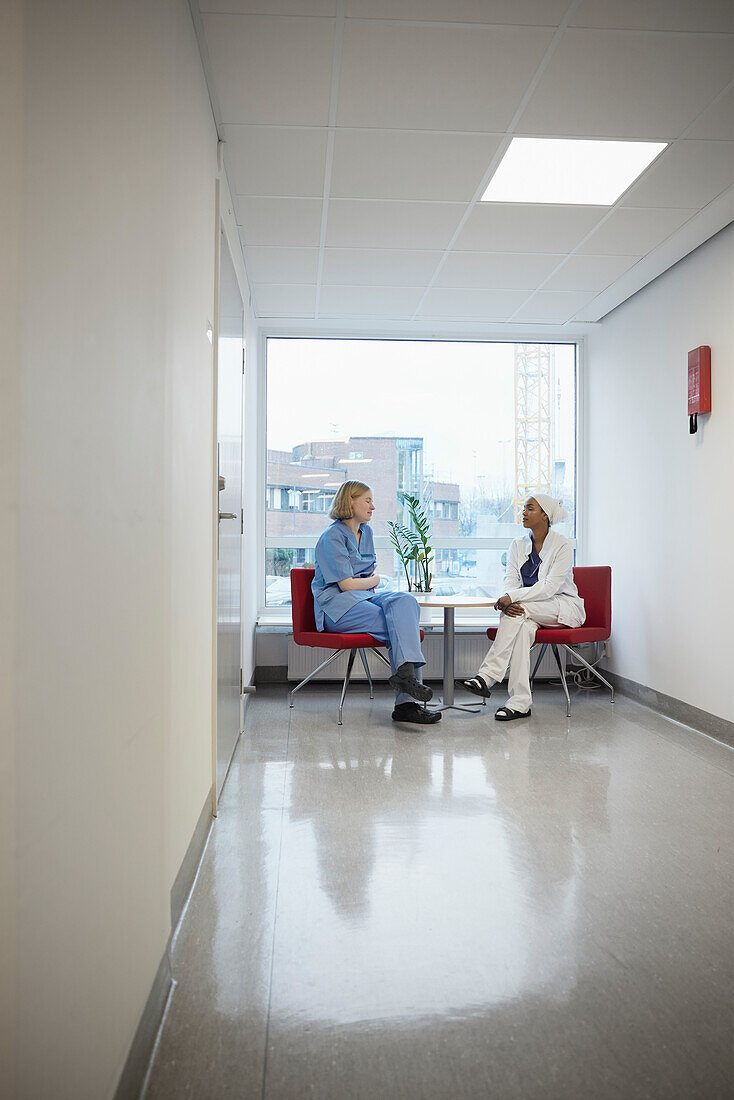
(345, 600)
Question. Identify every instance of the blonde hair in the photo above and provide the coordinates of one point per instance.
(341, 507)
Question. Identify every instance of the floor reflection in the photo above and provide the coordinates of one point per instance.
(432, 875)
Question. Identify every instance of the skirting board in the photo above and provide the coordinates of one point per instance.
(667, 705)
(141, 1049)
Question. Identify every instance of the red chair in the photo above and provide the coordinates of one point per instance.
(594, 583)
(305, 633)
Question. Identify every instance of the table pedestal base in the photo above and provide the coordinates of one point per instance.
(457, 706)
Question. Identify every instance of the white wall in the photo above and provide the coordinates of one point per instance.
(11, 183)
(114, 756)
(251, 497)
(659, 501)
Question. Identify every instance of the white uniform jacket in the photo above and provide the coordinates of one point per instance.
(555, 577)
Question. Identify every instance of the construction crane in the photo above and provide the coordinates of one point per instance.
(534, 372)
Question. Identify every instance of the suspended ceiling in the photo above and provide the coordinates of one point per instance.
(360, 134)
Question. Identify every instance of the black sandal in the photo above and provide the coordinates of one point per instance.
(505, 714)
(477, 685)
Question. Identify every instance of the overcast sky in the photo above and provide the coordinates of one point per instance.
(458, 396)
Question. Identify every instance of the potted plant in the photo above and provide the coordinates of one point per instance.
(413, 546)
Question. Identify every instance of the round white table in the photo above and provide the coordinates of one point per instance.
(449, 604)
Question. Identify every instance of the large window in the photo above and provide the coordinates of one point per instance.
(470, 428)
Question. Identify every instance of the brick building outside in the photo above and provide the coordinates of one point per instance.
(302, 484)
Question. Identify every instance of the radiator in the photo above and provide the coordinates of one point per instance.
(468, 654)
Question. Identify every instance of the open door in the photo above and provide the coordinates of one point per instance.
(230, 369)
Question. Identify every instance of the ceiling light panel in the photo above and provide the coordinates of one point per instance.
(569, 172)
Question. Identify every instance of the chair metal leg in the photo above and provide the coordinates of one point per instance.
(563, 679)
(543, 647)
(382, 657)
(350, 664)
(311, 675)
(367, 671)
(577, 657)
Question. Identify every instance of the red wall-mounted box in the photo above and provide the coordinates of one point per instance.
(699, 380)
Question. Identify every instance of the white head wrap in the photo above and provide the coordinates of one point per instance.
(553, 508)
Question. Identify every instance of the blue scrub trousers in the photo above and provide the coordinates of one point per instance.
(391, 617)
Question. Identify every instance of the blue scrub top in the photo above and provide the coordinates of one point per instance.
(337, 557)
(529, 571)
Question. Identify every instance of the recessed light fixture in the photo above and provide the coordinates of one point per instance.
(569, 171)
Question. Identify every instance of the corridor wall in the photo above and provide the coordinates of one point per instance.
(11, 187)
(659, 507)
(114, 419)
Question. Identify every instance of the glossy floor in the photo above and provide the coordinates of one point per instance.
(534, 910)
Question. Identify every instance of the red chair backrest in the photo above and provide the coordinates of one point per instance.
(302, 601)
(594, 583)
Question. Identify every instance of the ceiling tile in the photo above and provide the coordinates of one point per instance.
(270, 7)
(424, 225)
(472, 305)
(657, 15)
(282, 265)
(717, 121)
(689, 174)
(592, 273)
(378, 267)
(369, 301)
(553, 307)
(435, 77)
(268, 160)
(495, 270)
(271, 70)
(630, 231)
(601, 84)
(519, 227)
(273, 300)
(401, 165)
(526, 12)
(279, 221)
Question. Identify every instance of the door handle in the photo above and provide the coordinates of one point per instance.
(228, 515)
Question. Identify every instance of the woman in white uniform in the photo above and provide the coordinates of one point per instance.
(345, 600)
(540, 592)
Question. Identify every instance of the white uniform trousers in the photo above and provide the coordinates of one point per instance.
(515, 636)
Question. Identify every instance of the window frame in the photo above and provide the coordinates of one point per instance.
(282, 616)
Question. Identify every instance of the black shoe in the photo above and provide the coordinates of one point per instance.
(504, 714)
(405, 680)
(411, 712)
(477, 685)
